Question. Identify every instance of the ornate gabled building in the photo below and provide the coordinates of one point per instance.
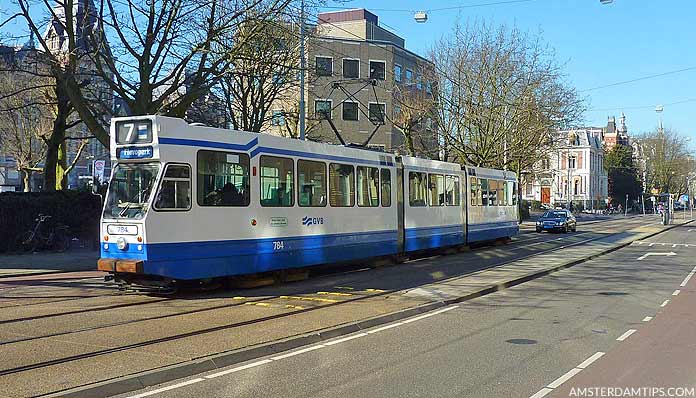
(572, 172)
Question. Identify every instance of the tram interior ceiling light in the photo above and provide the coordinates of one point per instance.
(421, 16)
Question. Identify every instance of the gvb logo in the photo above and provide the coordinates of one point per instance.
(308, 221)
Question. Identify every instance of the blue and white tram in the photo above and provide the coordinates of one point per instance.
(188, 202)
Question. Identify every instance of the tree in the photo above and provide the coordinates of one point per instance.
(25, 121)
(414, 119)
(254, 84)
(622, 174)
(668, 160)
(500, 95)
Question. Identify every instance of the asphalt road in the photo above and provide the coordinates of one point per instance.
(513, 343)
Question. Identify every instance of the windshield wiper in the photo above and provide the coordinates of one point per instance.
(130, 202)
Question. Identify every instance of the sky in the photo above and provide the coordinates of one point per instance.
(599, 45)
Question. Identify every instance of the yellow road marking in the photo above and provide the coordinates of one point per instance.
(375, 290)
(323, 300)
(334, 294)
(259, 304)
(344, 287)
(294, 307)
(238, 298)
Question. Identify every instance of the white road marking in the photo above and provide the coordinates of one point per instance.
(664, 303)
(676, 292)
(163, 389)
(646, 255)
(302, 351)
(355, 336)
(625, 335)
(647, 319)
(591, 359)
(556, 383)
(651, 244)
(674, 245)
(686, 280)
(564, 378)
(541, 393)
(237, 369)
(393, 325)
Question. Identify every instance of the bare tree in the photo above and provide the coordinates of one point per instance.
(25, 122)
(668, 160)
(500, 95)
(414, 116)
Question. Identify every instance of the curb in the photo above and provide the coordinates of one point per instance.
(161, 375)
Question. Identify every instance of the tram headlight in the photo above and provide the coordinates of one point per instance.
(121, 243)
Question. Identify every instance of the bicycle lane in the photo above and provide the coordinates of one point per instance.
(657, 357)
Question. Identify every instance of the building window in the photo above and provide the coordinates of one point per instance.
(397, 73)
(368, 186)
(409, 76)
(277, 180)
(397, 110)
(385, 179)
(351, 68)
(417, 189)
(571, 162)
(322, 109)
(429, 88)
(377, 70)
(419, 81)
(545, 164)
(350, 110)
(324, 66)
(175, 191)
(341, 185)
(223, 178)
(377, 112)
(311, 182)
(278, 118)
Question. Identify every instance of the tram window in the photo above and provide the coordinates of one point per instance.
(277, 180)
(417, 189)
(492, 192)
(223, 178)
(386, 187)
(452, 190)
(341, 185)
(175, 190)
(502, 193)
(475, 191)
(483, 184)
(513, 186)
(436, 183)
(368, 186)
(311, 181)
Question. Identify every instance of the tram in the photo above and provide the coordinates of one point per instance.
(188, 202)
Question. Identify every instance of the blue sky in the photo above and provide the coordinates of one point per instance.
(600, 44)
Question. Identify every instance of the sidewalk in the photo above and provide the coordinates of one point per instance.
(47, 262)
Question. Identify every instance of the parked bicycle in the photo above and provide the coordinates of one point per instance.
(45, 236)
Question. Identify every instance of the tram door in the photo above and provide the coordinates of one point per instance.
(400, 203)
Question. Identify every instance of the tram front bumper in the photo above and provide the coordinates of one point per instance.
(118, 265)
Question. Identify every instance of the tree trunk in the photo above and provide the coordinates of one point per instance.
(27, 180)
(55, 145)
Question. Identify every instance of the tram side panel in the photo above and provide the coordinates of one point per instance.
(230, 240)
(432, 203)
(491, 205)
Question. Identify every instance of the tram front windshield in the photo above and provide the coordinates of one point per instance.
(130, 190)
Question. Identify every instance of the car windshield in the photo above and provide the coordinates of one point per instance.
(554, 214)
(129, 190)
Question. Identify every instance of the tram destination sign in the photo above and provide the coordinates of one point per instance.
(143, 152)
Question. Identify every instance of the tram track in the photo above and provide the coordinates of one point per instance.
(339, 300)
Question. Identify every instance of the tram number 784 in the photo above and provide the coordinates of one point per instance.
(278, 245)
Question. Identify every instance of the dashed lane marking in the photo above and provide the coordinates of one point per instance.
(676, 292)
(688, 277)
(334, 294)
(664, 303)
(163, 389)
(626, 335)
(590, 360)
(556, 383)
(647, 319)
(323, 300)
